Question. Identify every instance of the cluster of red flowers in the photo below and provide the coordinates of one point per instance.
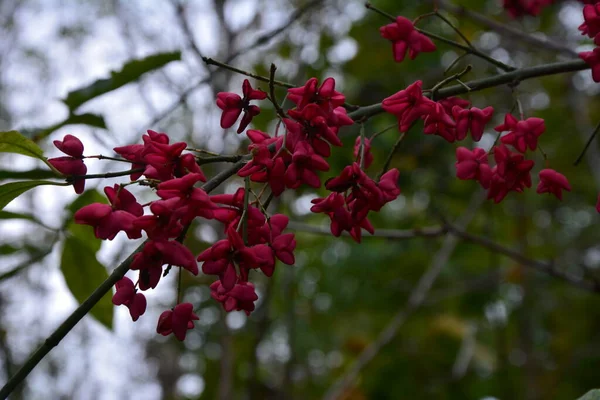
(254, 241)
(174, 176)
(591, 28)
(453, 119)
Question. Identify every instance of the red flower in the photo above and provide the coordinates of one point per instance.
(522, 133)
(325, 96)
(233, 105)
(408, 105)
(126, 295)
(241, 297)
(73, 165)
(473, 165)
(511, 173)
(108, 220)
(177, 321)
(70, 145)
(404, 36)
(553, 182)
(438, 122)
(591, 17)
(473, 119)
(592, 58)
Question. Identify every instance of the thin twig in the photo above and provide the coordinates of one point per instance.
(470, 50)
(506, 30)
(415, 300)
(273, 99)
(588, 143)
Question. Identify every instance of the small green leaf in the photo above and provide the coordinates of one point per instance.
(6, 249)
(593, 394)
(130, 72)
(84, 273)
(31, 174)
(14, 142)
(10, 191)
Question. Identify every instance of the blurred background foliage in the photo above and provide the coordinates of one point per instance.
(489, 328)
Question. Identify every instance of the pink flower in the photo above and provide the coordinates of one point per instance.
(523, 133)
(70, 145)
(591, 17)
(177, 321)
(408, 105)
(326, 97)
(233, 105)
(108, 220)
(72, 165)
(511, 173)
(553, 182)
(473, 119)
(126, 295)
(404, 36)
(241, 297)
(473, 165)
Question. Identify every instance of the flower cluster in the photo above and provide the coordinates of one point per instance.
(353, 195)
(591, 28)
(512, 172)
(293, 159)
(174, 176)
(449, 118)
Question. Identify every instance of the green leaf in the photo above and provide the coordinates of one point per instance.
(6, 249)
(84, 273)
(129, 73)
(31, 174)
(13, 215)
(10, 191)
(593, 394)
(94, 120)
(14, 142)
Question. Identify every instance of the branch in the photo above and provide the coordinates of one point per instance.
(546, 267)
(415, 300)
(486, 83)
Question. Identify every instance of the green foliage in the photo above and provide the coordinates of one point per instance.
(31, 174)
(82, 271)
(130, 72)
(10, 191)
(14, 142)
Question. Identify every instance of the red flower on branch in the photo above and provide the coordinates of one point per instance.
(233, 105)
(592, 58)
(405, 37)
(72, 165)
